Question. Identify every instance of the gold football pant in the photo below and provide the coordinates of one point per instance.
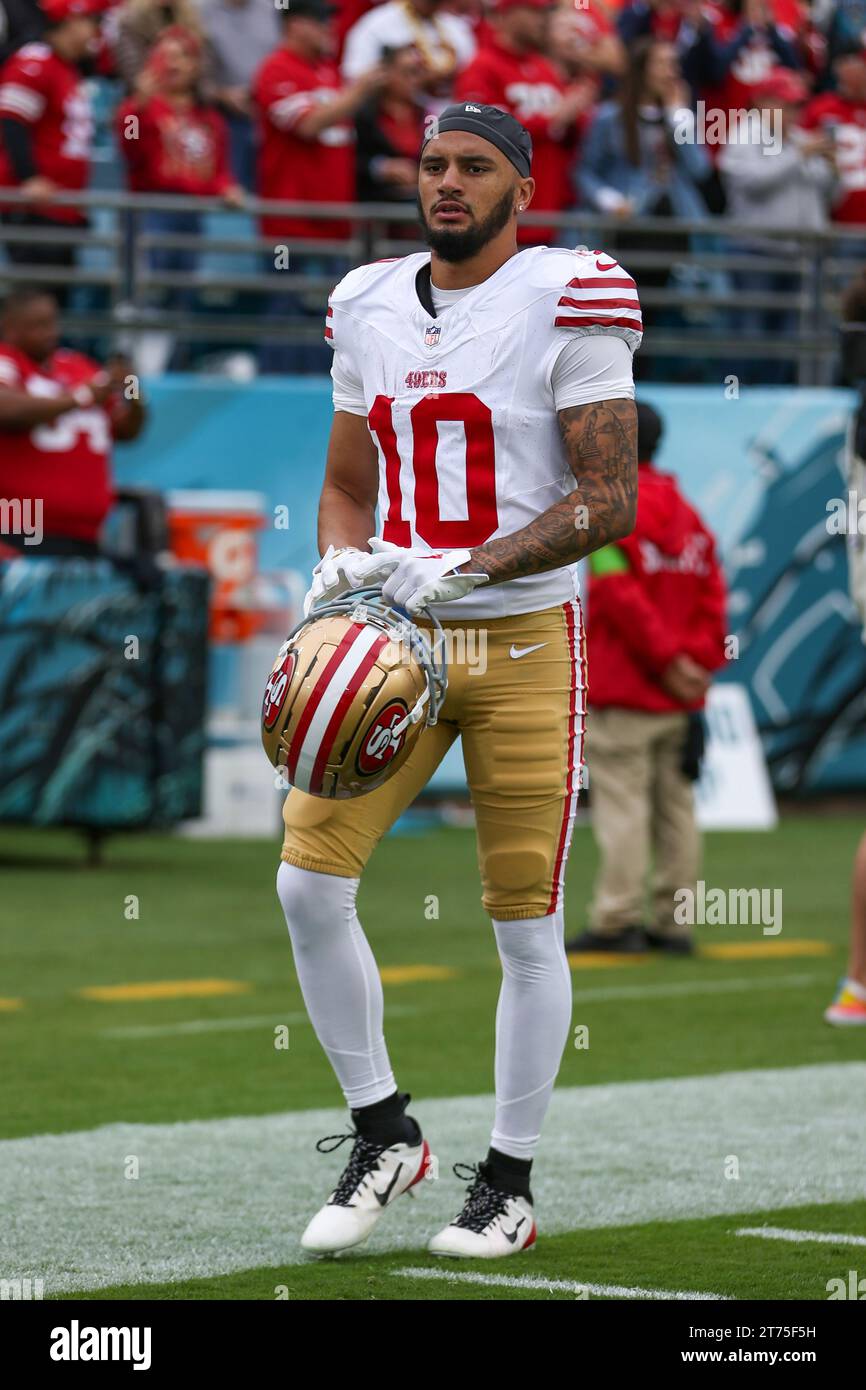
(516, 697)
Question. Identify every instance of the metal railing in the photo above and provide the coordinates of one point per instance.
(701, 319)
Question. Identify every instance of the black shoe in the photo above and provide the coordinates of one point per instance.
(670, 945)
(629, 941)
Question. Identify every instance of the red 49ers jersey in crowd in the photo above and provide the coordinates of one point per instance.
(847, 121)
(48, 94)
(175, 151)
(530, 88)
(285, 89)
(67, 463)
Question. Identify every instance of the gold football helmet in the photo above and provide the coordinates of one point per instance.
(352, 688)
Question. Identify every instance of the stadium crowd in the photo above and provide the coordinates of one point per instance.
(637, 108)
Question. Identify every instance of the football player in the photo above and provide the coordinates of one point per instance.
(484, 402)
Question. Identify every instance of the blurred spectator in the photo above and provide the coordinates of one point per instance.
(390, 128)
(59, 412)
(236, 64)
(632, 165)
(510, 70)
(584, 43)
(305, 155)
(137, 24)
(748, 42)
(21, 21)
(687, 24)
(306, 121)
(841, 117)
(173, 142)
(655, 634)
(445, 41)
(773, 187)
(46, 127)
(841, 23)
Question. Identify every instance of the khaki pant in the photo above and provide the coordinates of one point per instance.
(642, 807)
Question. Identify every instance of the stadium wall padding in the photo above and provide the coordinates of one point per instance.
(99, 731)
(761, 466)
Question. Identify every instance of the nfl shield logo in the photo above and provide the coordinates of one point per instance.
(433, 334)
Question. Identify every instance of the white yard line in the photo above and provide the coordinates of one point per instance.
(227, 1025)
(215, 1196)
(796, 1237)
(542, 1285)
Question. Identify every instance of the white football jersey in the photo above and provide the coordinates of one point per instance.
(462, 407)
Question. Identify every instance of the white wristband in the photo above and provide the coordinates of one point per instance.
(83, 396)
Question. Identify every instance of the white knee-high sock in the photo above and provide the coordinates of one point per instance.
(532, 1022)
(339, 980)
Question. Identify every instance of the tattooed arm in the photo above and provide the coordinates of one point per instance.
(600, 442)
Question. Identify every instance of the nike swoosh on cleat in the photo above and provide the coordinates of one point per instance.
(511, 1236)
(382, 1197)
(516, 653)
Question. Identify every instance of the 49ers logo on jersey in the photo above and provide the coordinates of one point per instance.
(276, 688)
(380, 743)
(422, 381)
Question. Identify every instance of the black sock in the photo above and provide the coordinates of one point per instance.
(386, 1122)
(507, 1173)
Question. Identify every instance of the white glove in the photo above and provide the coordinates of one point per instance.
(419, 577)
(338, 571)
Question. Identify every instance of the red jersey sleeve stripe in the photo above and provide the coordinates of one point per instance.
(603, 282)
(572, 321)
(328, 333)
(588, 303)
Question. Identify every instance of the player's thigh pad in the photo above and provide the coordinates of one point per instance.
(523, 748)
(338, 837)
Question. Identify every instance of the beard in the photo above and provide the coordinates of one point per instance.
(460, 244)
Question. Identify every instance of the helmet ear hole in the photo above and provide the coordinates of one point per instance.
(351, 691)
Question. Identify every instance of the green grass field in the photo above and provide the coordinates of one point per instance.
(163, 1147)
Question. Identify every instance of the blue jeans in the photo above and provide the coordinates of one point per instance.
(170, 259)
(306, 357)
(780, 324)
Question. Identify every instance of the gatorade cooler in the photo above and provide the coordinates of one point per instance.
(220, 531)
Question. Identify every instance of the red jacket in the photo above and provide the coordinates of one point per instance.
(653, 596)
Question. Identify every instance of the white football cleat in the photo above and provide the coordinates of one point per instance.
(375, 1176)
(492, 1223)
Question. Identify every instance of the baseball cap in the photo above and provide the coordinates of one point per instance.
(782, 84)
(308, 9)
(491, 123)
(56, 11)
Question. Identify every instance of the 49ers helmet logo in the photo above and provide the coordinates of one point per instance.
(380, 744)
(275, 691)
